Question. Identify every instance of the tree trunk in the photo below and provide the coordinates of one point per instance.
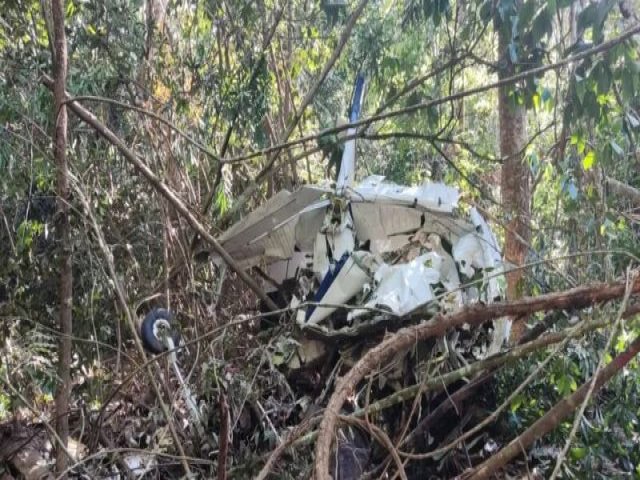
(63, 230)
(514, 183)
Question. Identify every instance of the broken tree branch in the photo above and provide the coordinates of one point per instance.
(89, 118)
(474, 315)
(622, 189)
(555, 416)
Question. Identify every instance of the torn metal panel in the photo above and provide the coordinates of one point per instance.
(493, 260)
(388, 226)
(281, 270)
(279, 210)
(333, 241)
(492, 254)
(309, 224)
(384, 225)
(279, 200)
(433, 196)
(468, 254)
(404, 287)
(340, 285)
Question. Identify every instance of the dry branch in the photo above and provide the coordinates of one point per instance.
(473, 315)
(165, 191)
(622, 189)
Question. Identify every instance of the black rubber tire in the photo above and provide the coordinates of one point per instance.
(152, 343)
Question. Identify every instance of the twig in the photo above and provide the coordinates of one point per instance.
(225, 143)
(52, 431)
(275, 152)
(105, 452)
(119, 460)
(294, 435)
(223, 451)
(494, 415)
(381, 437)
(149, 113)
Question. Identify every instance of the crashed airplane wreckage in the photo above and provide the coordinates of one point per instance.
(368, 249)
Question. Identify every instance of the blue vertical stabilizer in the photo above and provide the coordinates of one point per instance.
(348, 165)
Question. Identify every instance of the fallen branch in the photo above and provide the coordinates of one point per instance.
(89, 118)
(553, 417)
(622, 189)
(489, 365)
(473, 315)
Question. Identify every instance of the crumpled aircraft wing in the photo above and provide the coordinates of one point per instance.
(268, 233)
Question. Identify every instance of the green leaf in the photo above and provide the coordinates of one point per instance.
(542, 24)
(578, 453)
(566, 384)
(525, 14)
(277, 358)
(70, 10)
(485, 11)
(589, 160)
(628, 84)
(536, 101)
(603, 78)
(587, 17)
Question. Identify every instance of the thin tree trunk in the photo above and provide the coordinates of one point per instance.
(63, 230)
(514, 182)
